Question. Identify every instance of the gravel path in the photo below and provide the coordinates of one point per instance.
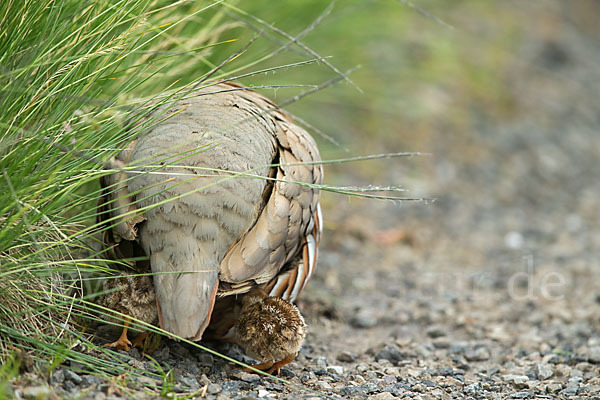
(490, 292)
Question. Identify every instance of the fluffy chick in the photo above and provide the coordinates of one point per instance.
(132, 295)
(270, 330)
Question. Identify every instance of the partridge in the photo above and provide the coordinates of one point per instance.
(132, 295)
(270, 330)
(221, 194)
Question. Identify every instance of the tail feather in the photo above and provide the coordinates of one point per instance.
(186, 299)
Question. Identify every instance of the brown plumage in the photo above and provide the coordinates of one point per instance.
(209, 197)
(134, 296)
(270, 330)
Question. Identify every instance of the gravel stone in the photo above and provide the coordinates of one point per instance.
(594, 354)
(73, 377)
(429, 383)
(364, 320)
(36, 392)
(562, 370)
(544, 371)
(389, 352)
(553, 387)
(522, 395)
(473, 388)
(346, 356)
(188, 381)
(246, 377)
(353, 391)
(203, 380)
(571, 390)
(436, 332)
(477, 354)
(89, 380)
(383, 396)
(336, 369)
(206, 359)
(321, 362)
(213, 388)
(57, 377)
(162, 354)
(518, 380)
(441, 343)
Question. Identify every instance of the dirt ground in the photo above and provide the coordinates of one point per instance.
(489, 291)
(492, 290)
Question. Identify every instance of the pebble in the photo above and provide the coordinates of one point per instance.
(477, 354)
(213, 388)
(594, 354)
(435, 332)
(514, 240)
(321, 362)
(562, 370)
(36, 392)
(206, 360)
(346, 356)
(353, 392)
(522, 395)
(73, 377)
(336, 369)
(162, 353)
(429, 383)
(322, 385)
(441, 343)
(203, 380)
(246, 376)
(544, 371)
(188, 381)
(389, 352)
(363, 320)
(553, 387)
(383, 396)
(57, 377)
(517, 380)
(419, 388)
(473, 388)
(571, 390)
(90, 380)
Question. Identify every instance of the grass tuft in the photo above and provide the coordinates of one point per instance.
(77, 80)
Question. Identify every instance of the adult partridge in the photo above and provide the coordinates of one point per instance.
(221, 194)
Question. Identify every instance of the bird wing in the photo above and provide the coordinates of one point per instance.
(281, 248)
(118, 215)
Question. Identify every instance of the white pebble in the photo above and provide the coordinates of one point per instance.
(514, 240)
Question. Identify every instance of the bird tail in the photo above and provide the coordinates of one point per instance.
(185, 298)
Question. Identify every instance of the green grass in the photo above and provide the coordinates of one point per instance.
(73, 74)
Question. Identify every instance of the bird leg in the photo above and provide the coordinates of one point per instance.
(271, 366)
(122, 343)
(139, 340)
(262, 366)
(277, 366)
